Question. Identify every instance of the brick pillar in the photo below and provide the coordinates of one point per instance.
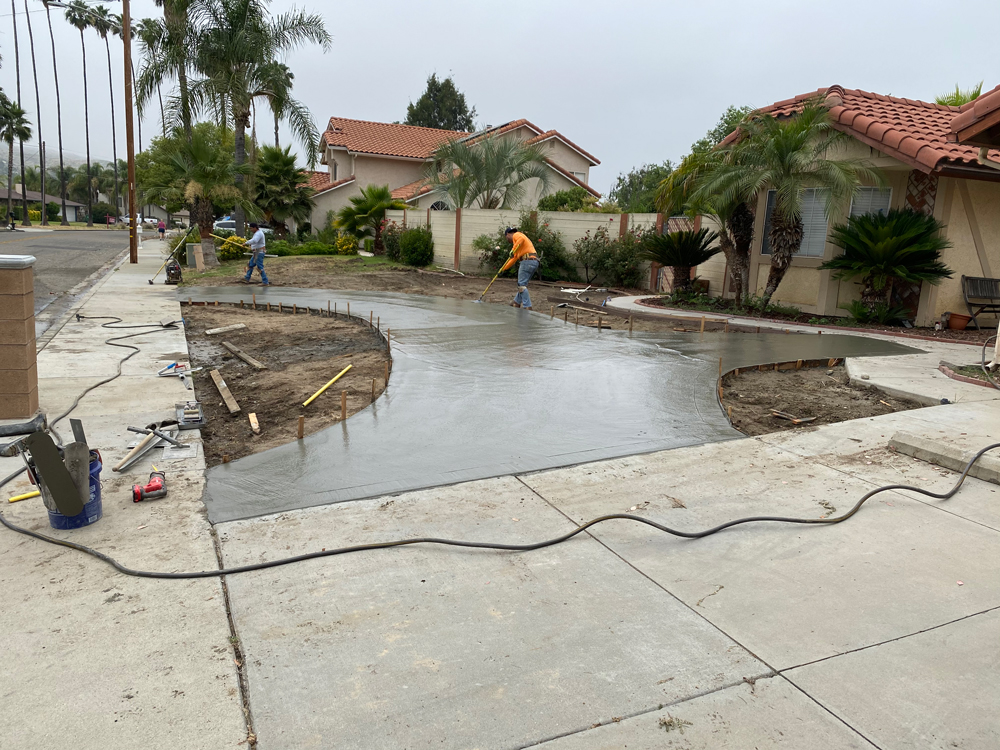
(18, 368)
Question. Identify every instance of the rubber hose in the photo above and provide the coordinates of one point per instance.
(492, 545)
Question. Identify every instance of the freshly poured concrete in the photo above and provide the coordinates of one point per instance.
(484, 390)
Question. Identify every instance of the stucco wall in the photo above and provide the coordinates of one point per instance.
(972, 216)
(374, 170)
(567, 158)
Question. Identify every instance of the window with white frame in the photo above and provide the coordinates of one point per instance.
(870, 200)
(581, 176)
(814, 223)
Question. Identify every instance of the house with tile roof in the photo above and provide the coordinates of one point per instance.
(937, 159)
(359, 153)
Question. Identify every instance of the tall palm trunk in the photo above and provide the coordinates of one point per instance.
(785, 239)
(86, 131)
(38, 118)
(114, 138)
(62, 168)
(740, 226)
(10, 177)
(276, 144)
(25, 222)
(163, 115)
(175, 19)
(240, 120)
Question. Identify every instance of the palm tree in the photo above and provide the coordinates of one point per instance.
(153, 40)
(55, 71)
(32, 178)
(38, 118)
(880, 248)
(366, 214)
(13, 127)
(202, 174)
(17, 67)
(680, 251)
(78, 15)
(488, 172)
(734, 217)
(279, 77)
(958, 97)
(104, 23)
(235, 50)
(281, 194)
(786, 156)
(175, 48)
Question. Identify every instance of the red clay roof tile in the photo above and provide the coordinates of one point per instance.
(384, 138)
(320, 181)
(918, 133)
(975, 118)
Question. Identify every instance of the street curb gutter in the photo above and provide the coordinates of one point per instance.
(948, 456)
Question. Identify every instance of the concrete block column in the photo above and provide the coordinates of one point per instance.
(18, 366)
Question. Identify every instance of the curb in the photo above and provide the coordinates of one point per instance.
(962, 378)
(826, 328)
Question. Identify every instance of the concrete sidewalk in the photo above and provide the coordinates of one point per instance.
(913, 376)
(109, 660)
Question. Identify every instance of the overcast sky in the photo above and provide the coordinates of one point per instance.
(630, 82)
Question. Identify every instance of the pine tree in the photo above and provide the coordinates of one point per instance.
(441, 106)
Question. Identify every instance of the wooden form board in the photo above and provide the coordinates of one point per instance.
(225, 329)
(244, 356)
(224, 391)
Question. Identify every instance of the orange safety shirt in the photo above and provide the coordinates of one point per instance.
(522, 247)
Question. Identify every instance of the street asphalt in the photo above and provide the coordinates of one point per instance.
(66, 259)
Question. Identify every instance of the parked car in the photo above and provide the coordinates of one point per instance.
(225, 223)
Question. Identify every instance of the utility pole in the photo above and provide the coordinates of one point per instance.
(133, 248)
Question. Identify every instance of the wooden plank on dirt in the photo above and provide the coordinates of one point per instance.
(244, 356)
(254, 424)
(225, 329)
(224, 391)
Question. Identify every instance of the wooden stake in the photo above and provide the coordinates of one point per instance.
(254, 424)
(702, 324)
(598, 324)
(189, 302)
(302, 426)
(387, 373)
(269, 307)
(343, 405)
(727, 326)
(388, 339)
(295, 309)
(373, 389)
(831, 363)
(348, 309)
(736, 372)
(630, 324)
(798, 364)
(216, 303)
(370, 313)
(378, 323)
(328, 308)
(241, 304)
(254, 301)
(280, 308)
(578, 316)
(335, 309)
(720, 368)
(758, 329)
(729, 412)
(566, 316)
(225, 458)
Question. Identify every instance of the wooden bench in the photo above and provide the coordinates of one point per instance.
(982, 293)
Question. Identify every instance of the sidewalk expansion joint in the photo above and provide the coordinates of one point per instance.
(772, 671)
(239, 657)
(890, 640)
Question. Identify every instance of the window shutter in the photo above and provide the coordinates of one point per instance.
(814, 223)
(871, 200)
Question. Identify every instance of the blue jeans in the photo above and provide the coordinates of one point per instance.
(257, 259)
(525, 271)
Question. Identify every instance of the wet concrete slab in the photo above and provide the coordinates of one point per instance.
(481, 391)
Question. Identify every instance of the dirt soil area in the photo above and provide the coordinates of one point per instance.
(302, 352)
(820, 392)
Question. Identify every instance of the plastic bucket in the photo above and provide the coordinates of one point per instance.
(92, 510)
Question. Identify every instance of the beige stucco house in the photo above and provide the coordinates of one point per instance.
(926, 168)
(358, 153)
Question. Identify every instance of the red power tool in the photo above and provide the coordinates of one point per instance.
(156, 488)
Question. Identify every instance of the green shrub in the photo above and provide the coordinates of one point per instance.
(101, 211)
(369, 245)
(493, 250)
(390, 238)
(346, 244)
(555, 263)
(281, 248)
(303, 231)
(416, 246)
(590, 251)
(329, 233)
(882, 312)
(225, 234)
(621, 265)
(232, 249)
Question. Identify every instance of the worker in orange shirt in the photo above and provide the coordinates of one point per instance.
(524, 251)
